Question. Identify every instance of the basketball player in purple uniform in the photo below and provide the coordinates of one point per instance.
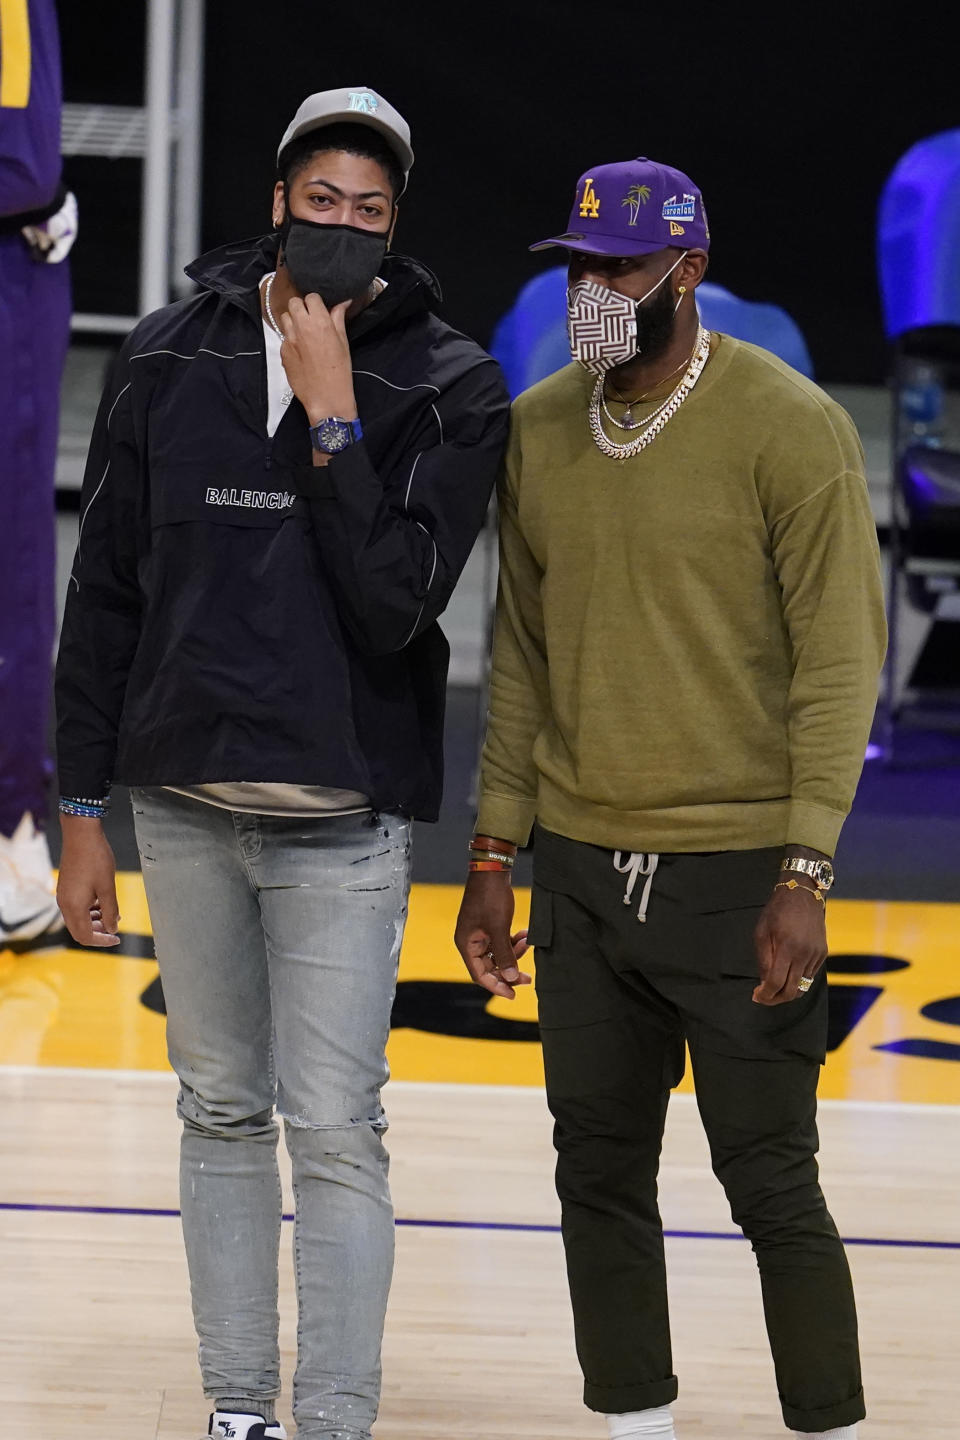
(37, 226)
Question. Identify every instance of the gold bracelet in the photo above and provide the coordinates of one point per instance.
(795, 885)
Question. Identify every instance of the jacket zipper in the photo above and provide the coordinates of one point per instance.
(264, 410)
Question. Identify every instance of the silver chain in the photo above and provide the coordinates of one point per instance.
(631, 424)
(266, 303)
(661, 416)
(377, 287)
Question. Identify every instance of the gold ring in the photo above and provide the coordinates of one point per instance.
(805, 982)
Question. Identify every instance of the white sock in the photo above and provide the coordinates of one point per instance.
(845, 1432)
(658, 1422)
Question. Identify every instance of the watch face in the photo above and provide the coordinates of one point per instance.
(824, 874)
(333, 437)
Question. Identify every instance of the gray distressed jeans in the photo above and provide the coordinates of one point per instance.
(278, 942)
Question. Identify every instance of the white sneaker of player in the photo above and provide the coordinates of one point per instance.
(28, 904)
(227, 1426)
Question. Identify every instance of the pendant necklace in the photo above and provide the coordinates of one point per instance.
(626, 421)
(625, 450)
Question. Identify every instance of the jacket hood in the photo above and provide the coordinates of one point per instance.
(235, 271)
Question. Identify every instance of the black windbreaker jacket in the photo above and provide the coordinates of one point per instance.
(236, 613)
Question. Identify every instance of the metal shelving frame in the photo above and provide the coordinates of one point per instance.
(166, 133)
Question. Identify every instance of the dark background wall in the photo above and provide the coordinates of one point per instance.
(789, 117)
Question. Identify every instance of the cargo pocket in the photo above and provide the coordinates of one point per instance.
(540, 930)
(575, 986)
(728, 892)
(726, 907)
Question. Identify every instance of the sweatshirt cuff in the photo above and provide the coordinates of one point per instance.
(814, 826)
(503, 817)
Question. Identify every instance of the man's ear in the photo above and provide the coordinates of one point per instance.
(279, 204)
(694, 268)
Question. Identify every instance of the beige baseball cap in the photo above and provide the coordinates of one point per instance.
(358, 105)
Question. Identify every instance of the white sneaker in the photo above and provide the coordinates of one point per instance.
(28, 904)
(227, 1426)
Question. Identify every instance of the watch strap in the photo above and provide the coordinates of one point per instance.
(801, 866)
(353, 427)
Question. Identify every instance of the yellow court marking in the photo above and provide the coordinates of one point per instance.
(82, 1008)
(14, 54)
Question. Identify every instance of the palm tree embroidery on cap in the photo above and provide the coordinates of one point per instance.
(636, 196)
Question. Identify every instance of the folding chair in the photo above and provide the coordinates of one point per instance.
(918, 244)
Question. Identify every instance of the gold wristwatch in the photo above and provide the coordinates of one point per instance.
(820, 871)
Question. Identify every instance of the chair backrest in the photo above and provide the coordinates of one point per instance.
(918, 237)
(530, 340)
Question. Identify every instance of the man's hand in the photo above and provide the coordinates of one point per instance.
(316, 356)
(87, 888)
(483, 936)
(791, 941)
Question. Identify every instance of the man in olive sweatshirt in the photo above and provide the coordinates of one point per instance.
(690, 629)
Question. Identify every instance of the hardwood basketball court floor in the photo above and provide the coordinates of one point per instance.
(96, 1341)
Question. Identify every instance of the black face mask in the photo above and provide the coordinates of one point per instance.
(337, 262)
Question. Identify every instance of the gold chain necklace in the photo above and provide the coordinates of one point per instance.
(627, 421)
(662, 415)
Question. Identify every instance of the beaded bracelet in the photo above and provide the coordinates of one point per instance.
(88, 809)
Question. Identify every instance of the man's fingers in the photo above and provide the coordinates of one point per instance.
(774, 964)
(100, 929)
(497, 985)
(763, 941)
(504, 959)
(484, 974)
(316, 306)
(802, 968)
(781, 984)
(498, 974)
(108, 907)
(86, 925)
(773, 983)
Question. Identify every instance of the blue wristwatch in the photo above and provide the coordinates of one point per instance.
(334, 434)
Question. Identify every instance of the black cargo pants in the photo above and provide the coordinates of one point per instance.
(617, 999)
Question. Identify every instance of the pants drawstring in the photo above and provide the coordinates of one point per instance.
(637, 863)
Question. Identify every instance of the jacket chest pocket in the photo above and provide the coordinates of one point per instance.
(204, 408)
(257, 498)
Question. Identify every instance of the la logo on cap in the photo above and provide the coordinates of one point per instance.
(363, 101)
(589, 201)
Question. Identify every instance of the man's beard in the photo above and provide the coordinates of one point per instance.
(656, 322)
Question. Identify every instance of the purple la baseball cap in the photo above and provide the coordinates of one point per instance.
(634, 207)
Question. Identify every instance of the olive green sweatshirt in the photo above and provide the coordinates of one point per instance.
(688, 642)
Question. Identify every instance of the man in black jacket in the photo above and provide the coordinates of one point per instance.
(286, 477)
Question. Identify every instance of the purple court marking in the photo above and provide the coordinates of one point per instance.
(507, 1225)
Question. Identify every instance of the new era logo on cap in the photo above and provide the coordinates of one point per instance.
(634, 207)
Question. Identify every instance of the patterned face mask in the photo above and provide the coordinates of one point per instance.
(602, 325)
